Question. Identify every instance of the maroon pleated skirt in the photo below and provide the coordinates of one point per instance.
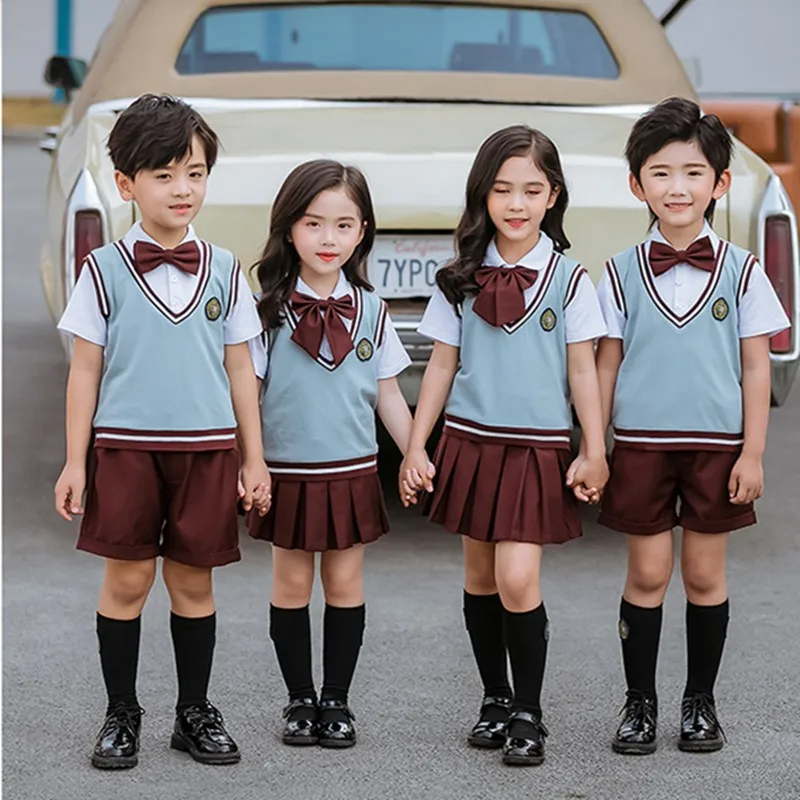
(500, 493)
(320, 515)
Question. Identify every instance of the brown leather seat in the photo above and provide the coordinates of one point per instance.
(770, 130)
(757, 124)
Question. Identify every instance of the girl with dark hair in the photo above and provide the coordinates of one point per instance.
(329, 359)
(513, 321)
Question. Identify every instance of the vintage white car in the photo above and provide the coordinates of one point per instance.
(406, 91)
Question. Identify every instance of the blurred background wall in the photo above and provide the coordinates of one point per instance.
(732, 46)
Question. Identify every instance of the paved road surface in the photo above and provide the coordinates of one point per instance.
(416, 689)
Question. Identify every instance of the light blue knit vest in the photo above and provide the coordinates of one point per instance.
(318, 421)
(679, 385)
(512, 381)
(164, 384)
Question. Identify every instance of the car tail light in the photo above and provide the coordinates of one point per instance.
(88, 236)
(778, 264)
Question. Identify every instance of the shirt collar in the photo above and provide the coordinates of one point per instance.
(537, 258)
(657, 236)
(138, 234)
(341, 289)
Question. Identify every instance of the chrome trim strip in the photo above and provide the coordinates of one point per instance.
(776, 203)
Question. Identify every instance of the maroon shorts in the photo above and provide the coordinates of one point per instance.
(642, 495)
(502, 493)
(181, 505)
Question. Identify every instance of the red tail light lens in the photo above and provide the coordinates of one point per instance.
(778, 264)
(88, 236)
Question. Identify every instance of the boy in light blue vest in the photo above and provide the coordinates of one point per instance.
(161, 376)
(685, 380)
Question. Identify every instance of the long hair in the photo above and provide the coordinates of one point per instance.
(279, 266)
(476, 229)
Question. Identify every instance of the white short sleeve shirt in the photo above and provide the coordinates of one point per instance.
(174, 287)
(583, 317)
(760, 311)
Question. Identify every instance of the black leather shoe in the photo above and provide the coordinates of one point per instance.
(117, 745)
(200, 732)
(301, 722)
(636, 735)
(490, 729)
(526, 750)
(335, 726)
(700, 728)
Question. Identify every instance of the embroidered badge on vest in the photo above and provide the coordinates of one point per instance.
(720, 309)
(623, 630)
(364, 350)
(213, 309)
(548, 319)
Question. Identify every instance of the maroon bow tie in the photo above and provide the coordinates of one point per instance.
(501, 299)
(147, 256)
(699, 254)
(323, 318)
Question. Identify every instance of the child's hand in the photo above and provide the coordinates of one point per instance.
(255, 487)
(416, 474)
(69, 490)
(587, 478)
(746, 484)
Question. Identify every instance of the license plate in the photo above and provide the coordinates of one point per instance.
(405, 266)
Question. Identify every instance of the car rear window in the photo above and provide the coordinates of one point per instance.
(397, 37)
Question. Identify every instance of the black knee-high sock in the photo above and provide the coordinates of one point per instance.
(193, 639)
(290, 631)
(526, 638)
(343, 633)
(483, 617)
(706, 628)
(639, 632)
(118, 640)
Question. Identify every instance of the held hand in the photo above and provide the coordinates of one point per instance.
(587, 478)
(69, 491)
(255, 487)
(416, 475)
(746, 483)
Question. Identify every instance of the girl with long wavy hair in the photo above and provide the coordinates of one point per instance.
(330, 359)
(513, 322)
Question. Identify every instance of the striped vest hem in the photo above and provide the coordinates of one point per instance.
(677, 440)
(324, 470)
(546, 438)
(130, 439)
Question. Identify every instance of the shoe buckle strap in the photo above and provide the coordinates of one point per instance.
(299, 702)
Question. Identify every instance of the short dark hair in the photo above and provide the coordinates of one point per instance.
(678, 119)
(155, 130)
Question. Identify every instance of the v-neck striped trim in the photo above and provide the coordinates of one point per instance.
(358, 301)
(203, 277)
(680, 320)
(544, 285)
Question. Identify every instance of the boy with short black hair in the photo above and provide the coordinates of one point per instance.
(686, 364)
(160, 380)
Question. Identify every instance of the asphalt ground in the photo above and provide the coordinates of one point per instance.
(416, 690)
